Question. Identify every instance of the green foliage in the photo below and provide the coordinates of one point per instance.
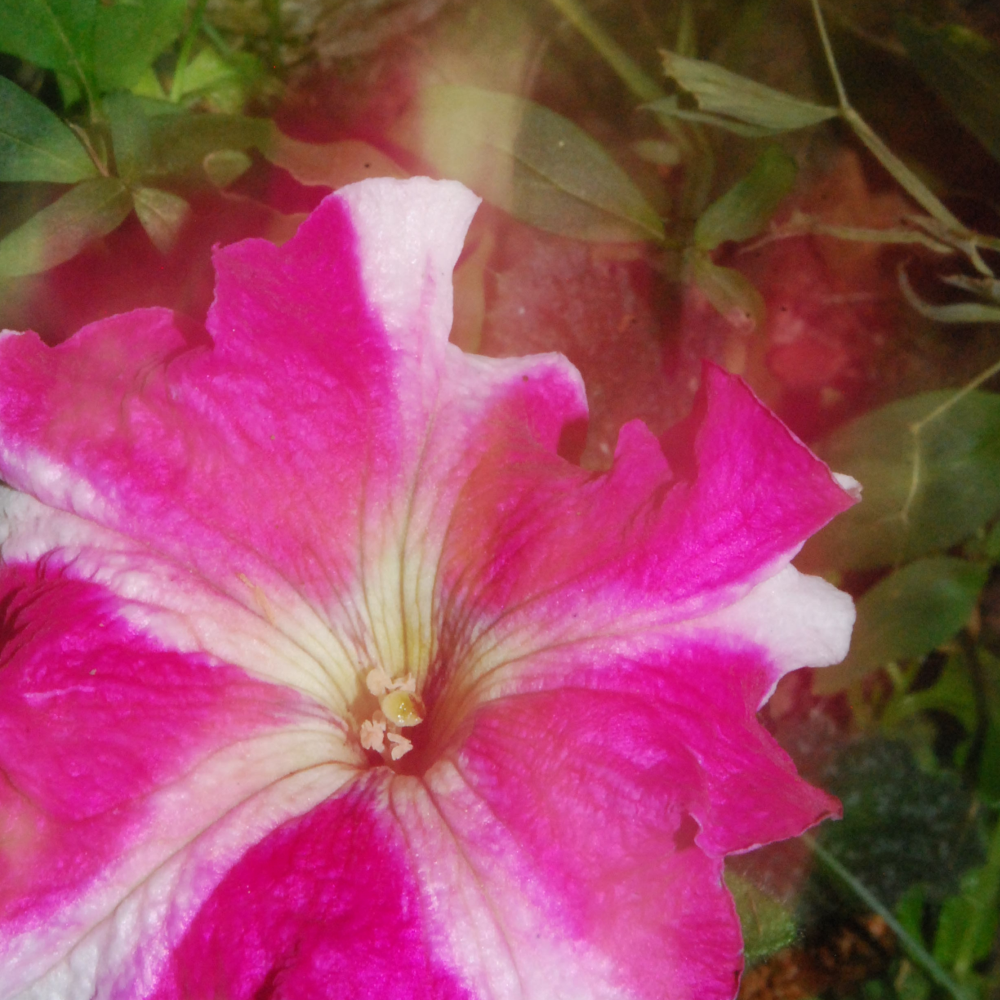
(930, 469)
(746, 208)
(907, 615)
(34, 144)
(533, 163)
(902, 826)
(767, 925)
(86, 212)
(964, 69)
(101, 46)
(735, 102)
(162, 215)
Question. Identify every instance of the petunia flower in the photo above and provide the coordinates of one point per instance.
(324, 675)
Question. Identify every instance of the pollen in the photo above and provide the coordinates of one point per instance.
(403, 708)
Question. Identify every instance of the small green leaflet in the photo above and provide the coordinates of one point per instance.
(162, 215)
(767, 925)
(964, 69)
(930, 469)
(746, 208)
(34, 144)
(739, 99)
(85, 213)
(907, 615)
(533, 163)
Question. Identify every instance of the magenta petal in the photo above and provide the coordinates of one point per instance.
(232, 555)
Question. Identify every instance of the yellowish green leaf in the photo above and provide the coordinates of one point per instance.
(55, 234)
(162, 215)
(533, 163)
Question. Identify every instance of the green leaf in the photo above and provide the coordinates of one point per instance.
(722, 92)
(964, 70)
(906, 615)
(223, 166)
(162, 215)
(929, 466)
(955, 312)
(533, 163)
(669, 107)
(55, 34)
(767, 925)
(902, 826)
(966, 912)
(745, 209)
(731, 293)
(60, 231)
(129, 35)
(953, 692)
(34, 144)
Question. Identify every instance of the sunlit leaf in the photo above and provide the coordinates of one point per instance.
(731, 293)
(128, 36)
(162, 215)
(34, 144)
(930, 469)
(906, 615)
(722, 92)
(332, 164)
(533, 163)
(55, 34)
(745, 209)
(85, 213)
(223, 84)
(954, 312)
(767, 925)
(223, 166)
(964, 69)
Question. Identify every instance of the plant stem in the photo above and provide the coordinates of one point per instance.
(916, 952)
(627, 69)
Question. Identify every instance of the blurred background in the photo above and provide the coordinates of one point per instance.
(805, 194)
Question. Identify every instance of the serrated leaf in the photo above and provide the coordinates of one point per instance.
(162, 215)
(533, 163)
(963, 68)
(55, 34)
(905, 616)
(34, 144)
(746, 208)
(722, 92)
(767, 925)
(930, 469)
(128, 36)
(56, 233)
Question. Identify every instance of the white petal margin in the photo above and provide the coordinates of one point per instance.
(410, 234)
(802, 621)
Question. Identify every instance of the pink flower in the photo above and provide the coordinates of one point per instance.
(324, 675)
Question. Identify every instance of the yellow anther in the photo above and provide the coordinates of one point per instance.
(403, 708)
